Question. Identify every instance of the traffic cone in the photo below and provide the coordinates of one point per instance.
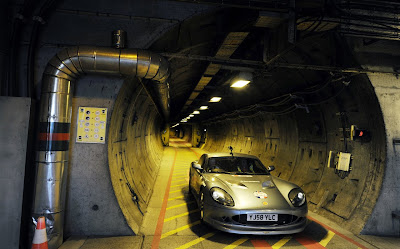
(40, 237)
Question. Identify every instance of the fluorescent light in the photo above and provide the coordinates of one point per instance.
(215, 99)
(196, 112)
(240, 83)
(242, 79)
(204, 107)
(191, 115)
(183, 121)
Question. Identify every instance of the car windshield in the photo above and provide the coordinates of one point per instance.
(236, 165)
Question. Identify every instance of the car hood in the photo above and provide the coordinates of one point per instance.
(254, 191)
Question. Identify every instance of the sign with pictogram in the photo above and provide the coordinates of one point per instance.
(91, 126)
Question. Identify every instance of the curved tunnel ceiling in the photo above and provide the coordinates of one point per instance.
(198, 41)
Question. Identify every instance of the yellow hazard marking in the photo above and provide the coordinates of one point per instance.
(327, 238)
(175, 191)
(281, 243)
(183, 180)
(179, 229)
(196, 241)
(176, 198)
(180, 215)
(236, 243)
(180, 175)
(180, 205)
(179, 185)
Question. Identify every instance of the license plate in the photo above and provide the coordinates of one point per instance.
(262, 217)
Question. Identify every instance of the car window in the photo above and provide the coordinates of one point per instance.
(236, 165)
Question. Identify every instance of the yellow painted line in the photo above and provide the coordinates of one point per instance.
(180, 205)
(179, 181)
(196, 241)
(180, 229)
(175, 191)
(179, 185)
(281, 243)
(327, 238)
(236, 243)
(180, 215)
(176, 198)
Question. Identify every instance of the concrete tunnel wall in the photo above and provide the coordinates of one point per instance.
(298, 145)
(134, 151)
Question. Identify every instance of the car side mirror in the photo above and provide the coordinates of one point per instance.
(271, 168)
(195, 165)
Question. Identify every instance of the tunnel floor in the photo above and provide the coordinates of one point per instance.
(173, 220)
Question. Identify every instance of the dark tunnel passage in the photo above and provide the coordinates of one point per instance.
(320, 91)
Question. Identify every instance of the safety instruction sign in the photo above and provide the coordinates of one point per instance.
(91, 127)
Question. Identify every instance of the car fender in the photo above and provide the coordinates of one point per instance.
(285, 187)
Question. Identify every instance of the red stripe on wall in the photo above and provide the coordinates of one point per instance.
(54, 136)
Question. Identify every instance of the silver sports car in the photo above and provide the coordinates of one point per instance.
(237, 194)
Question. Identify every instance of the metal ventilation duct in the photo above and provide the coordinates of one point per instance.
(55, 116)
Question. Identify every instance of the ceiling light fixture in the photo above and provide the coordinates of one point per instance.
(191, 115)
(240, 83)
(204, 107)
(242, 79)
(196, 112)
(215, 99)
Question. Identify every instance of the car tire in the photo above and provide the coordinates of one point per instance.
(201, 205)
(190, 185)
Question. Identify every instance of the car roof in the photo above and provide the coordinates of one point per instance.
(226, 154)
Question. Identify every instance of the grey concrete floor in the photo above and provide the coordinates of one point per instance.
(178, 225)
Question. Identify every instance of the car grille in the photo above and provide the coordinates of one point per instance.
(283, 219)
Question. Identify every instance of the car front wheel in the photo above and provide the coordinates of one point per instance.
(201, 206)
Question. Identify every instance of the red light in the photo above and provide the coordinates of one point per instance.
(361, 134)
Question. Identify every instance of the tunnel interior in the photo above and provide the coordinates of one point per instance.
(290, 118)
(313, 87)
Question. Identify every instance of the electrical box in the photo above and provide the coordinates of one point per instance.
(344, 161)
(339, 161)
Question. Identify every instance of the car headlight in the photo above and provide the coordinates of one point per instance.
(222, 197)
(297, 197)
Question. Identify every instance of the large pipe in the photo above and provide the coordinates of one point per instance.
(55, 116)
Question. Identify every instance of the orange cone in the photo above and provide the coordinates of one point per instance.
(40, 237)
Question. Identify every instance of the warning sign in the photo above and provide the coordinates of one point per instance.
(91, 127)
